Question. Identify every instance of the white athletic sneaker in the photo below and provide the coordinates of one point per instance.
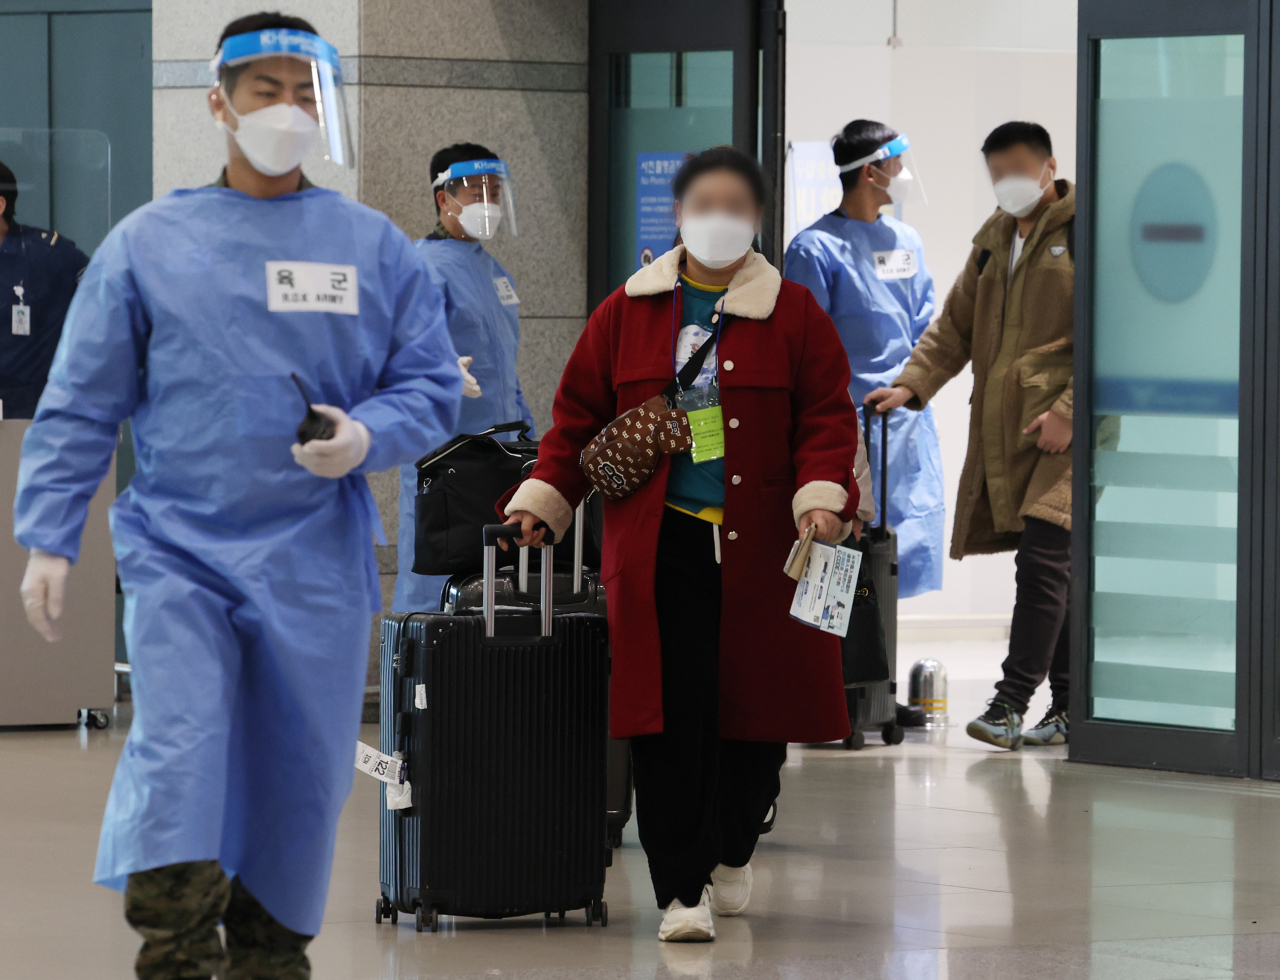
(681, 924)
(730, 889)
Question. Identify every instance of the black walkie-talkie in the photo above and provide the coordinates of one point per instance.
(314, 425)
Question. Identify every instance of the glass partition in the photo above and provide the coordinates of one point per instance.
(1166, 349)
(663, 106)
(64, 181)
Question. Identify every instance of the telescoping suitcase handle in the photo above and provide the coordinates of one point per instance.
(492, 533)
(867, 411)
(579, 516)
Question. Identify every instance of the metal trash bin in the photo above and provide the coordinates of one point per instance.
(928, 691)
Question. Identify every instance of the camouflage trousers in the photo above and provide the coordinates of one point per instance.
(176, 909)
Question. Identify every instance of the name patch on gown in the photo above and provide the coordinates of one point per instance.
(506, 292)
(897, 264)
(312, 287)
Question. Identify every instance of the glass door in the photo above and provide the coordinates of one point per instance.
(668, 79)
(1160, 592)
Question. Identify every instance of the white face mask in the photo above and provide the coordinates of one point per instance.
(274, 140)
(899, 184)
(717, 239)
(480, 220)
(1018, 195)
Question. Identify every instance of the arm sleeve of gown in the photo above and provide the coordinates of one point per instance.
(824, 422)
(802, 266)
(95, 383)
(584, 404)
(926, 301)
(420, 389)
(945, 347)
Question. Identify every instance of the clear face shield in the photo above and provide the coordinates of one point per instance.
(894, 171)
(283, 91)
(478, 194)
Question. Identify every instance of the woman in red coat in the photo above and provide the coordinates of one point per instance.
(711, 676)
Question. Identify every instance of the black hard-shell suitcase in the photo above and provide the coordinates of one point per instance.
(583, 592)
(873, 706)
(504, 732)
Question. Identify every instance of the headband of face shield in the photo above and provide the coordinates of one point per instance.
(275, 138)
(895, 163)
(481, 189)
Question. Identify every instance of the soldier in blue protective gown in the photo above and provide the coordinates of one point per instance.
(246, 558)
(39, 271)
(867, 270)
(483, 311)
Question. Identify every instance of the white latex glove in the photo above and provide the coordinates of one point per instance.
(336, 457)
(43, 590)
(470, 386)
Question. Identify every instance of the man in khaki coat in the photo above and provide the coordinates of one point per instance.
(1010, 314)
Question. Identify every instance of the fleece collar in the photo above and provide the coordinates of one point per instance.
(997, 234)
(753, 290)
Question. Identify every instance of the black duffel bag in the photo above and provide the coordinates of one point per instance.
(459, 486)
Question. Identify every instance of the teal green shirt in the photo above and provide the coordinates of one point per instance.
(697, 488)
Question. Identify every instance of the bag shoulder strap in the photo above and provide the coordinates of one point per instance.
(983, 258)
(1071, 238)
(689, 373)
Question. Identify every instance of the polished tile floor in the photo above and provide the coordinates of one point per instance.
(934, 860)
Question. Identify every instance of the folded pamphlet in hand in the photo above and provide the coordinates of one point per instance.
(824, 592)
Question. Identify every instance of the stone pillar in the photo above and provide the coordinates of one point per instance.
(419, 75)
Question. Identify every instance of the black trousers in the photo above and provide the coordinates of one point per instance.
(1039, 636)
(700, 798)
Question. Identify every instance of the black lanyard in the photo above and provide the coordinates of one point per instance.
(686, 376)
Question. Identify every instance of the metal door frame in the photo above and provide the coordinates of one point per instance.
(758, 77)
(1155, 746)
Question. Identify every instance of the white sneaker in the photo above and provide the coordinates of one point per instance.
(681, 924)
(730, 889)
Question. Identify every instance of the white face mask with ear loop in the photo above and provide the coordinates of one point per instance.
(1018, 195)
(899, 184)
(275, 139)
(717, 239)
(480, 220)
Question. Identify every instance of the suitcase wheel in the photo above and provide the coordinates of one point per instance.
(855, 742)
(590, 918)
(385, 910)
(602, 913)
(615, 839)
(95, 718)
(426, 919)
(892, 734)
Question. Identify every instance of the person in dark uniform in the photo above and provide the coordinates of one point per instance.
(39, 272)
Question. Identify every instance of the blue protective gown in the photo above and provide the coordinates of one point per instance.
(248, 582)
(880, 321)
(485, 325)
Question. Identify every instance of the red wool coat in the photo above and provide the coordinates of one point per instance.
(791, 435)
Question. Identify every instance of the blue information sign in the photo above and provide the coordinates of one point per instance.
(655, 207)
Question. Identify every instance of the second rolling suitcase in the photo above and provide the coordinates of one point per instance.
(873, 705)
(502, 719)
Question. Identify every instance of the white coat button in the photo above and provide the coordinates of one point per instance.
(728, 365)
(733, 423)
(715, 317)
(737, 480)
(733, 535)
